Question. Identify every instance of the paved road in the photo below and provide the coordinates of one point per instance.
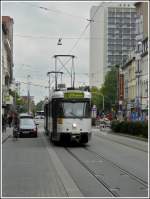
(108, 166)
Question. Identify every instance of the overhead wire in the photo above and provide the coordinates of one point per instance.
(48, 37)
(58, 11)
(84, 30)
(32, 84)
(82, 33)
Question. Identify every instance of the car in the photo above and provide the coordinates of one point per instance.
(25, 115)
(37, 117)
(42, 116)
(26, 126)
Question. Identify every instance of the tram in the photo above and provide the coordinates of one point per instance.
(68, 116)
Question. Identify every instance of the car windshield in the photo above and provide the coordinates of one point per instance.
(27, 122)
(74, 109)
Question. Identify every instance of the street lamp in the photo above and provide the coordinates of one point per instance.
(59, 42)
(28, 92)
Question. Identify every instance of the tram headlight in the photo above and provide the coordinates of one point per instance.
(74, 125)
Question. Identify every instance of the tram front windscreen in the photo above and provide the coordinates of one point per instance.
(74, 109)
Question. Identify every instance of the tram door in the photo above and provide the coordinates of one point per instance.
(54, 116)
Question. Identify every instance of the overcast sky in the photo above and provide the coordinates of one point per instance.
(33, 55)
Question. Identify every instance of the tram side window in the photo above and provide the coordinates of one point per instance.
(57, 110)
(60, 110)
(54, 108)
(50, 109)
(87, 109)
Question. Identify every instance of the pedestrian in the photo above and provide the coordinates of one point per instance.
(9, 118)
(4, 124)
(15, 120)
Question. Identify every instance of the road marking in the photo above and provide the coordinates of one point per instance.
(69, 184)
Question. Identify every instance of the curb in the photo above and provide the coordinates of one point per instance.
(124, 135)
(4, 140)
(130, 136)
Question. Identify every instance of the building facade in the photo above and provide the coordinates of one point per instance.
(144, 76)
(7, 62)
(130, 84)
(139, 100)
(112, 37)
(142, 19)
(136, 81)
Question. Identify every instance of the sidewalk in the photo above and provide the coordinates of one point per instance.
(127, 140)
(109, 130)
(7, 134)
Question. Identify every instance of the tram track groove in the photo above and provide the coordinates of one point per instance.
(136, 178)
(107, 187)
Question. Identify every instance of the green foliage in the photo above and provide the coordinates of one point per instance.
(109, 90)
(97, 98)
(137, 128)
(39, 106)
(115, 126)
(21, 104)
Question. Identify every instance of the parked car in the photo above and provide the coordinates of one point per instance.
(39, 117)
(26, 126)
(25, 115)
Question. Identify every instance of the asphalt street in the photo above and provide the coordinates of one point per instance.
(109, 165)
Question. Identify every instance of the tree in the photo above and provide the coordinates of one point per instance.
(21, 105)
(108, 89)
(97, 98)
(39, 106)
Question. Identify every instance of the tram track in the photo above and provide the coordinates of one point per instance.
(144, 183)
(115, 191)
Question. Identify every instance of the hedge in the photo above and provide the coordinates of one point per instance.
(136, 128)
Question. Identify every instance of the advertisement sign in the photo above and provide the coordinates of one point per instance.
(121, 87)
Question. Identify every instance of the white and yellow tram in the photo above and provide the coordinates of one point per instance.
(68, 116)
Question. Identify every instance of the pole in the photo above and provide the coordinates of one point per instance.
(28, 94)
(15, 98)
(103, 103)
(138, 89)
(49, 85)
(73, 69)
(138, 82)
(55, 73)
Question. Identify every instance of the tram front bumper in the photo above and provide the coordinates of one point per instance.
(83, 137)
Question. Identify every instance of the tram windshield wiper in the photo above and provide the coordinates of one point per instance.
(73, 114)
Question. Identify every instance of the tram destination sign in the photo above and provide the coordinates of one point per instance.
(74, 95)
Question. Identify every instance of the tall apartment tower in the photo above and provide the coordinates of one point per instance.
(112, 36)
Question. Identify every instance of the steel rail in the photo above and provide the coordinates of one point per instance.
(107, 187)
(136, 178)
